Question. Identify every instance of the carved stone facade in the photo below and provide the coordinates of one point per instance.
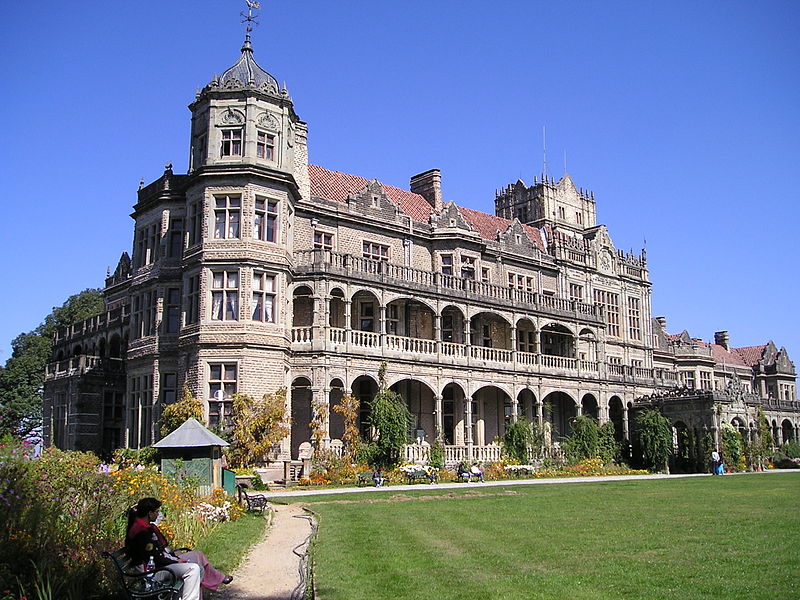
(256, 271)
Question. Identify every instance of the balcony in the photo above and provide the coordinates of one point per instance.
(396, 347)
(315, 262)
(80, 365)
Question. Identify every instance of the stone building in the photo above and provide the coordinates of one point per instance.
(257, 270)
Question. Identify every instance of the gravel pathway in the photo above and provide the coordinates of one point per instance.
(273, 569)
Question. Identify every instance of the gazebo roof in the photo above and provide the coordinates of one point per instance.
(190, 434)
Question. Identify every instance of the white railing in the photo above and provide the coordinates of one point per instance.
(588, 365)
(301, 334)
(451, 349)
(409, 344)
(527, 358)
(365, 339)
(417, 453)
(491, 354)
(337, 335)
(559, 362)
(456, 454)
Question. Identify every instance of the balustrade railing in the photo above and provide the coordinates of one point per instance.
(352, 264)
(365, 339)
(301, 334)
(490, 354)
(559, 362)
(409, 344)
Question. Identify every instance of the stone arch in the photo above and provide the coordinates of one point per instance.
(419, 399)
(589, 407)
(77, 350)
(336, 309)
(302, 306)
(787, 430)
(559, 411)
(527, 336)
(335, 420)
(365, 312)
(453, 413)
(101, 347)
(451, 324)
(587, 345)
(557, 340)
(490, 330)
(364, 388)
(526, 404)
(494, 411)
(301, 413)
(616, 415)
(409, 317)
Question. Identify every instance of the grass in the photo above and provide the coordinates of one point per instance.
(228, 543)
(711, 537)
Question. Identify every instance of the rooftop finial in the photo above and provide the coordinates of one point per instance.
(249, 18)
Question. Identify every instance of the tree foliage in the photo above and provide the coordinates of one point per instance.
(590, 440)
(349, 407)
(175, 415)
(732, 449)
(257, 426)
(655, 438)
(392, 421)
(521, 439)
(761, 447)
(22, 378)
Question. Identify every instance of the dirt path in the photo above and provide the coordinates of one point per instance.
(272, 569)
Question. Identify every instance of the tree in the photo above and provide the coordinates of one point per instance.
(655, 438)
(392, 420)
(257, 426)
(349, 407)
(761, 448)
(521, 438)
(590, 440)
(732, 450)
(22, 378)
(175, 415)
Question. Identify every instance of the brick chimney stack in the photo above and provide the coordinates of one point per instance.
(429, 186)
(721, 338)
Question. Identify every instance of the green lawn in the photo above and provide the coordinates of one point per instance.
(713, 537)
(228, 543)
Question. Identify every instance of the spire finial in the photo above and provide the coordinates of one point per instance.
(249, 18)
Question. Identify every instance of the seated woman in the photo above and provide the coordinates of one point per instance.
(144, 540)
(476, 472)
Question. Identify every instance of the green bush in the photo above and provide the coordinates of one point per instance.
(791, 449)
(520, 438)
(655, 439)
(732, 449)
(590, 440)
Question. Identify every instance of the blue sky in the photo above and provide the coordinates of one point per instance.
(682, 117)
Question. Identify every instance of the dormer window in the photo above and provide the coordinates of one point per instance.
(231, 142)
(265, 146)
(375, 202)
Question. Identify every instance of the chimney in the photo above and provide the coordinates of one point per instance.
(721, 338)
(429, 186)
(663, 322)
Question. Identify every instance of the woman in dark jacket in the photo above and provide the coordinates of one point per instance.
(145, 541)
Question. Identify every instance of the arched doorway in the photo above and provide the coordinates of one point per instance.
(419, 400)
(787, 429)
(490, 422)
(364, 389)
(453, 414)
(589, 407)
(335, 420)
(301, 413)
(560, 410)
(526, 405)
(616, 415)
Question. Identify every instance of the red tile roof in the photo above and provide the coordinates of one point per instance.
(488, 225)
(337, 186)
(750, 354)
(729, 358)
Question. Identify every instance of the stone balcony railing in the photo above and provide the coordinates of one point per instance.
(79, 365)
(394, 347)
(351, 266)
(92, 324)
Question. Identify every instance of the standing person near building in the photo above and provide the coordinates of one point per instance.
(144, 541)
(715, 463)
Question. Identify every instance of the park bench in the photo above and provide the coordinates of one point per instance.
(364, 478)
(253, 502)
(420, 475)
(160, 584)
(464, 476)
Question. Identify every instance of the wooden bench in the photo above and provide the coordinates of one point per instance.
(364, 478)
(254, 502)
(465, 476)
(415, 476)
(160, 584)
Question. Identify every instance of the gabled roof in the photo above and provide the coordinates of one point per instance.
(333, 185)
(191, 434)
(725, 357)
(750, 354)
(488, 225)
(337, 186)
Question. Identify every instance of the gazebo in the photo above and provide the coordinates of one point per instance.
(193, 451)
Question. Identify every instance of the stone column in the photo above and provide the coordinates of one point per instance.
(439, 417)
(625, 424)
(468, 424)
(539, 412)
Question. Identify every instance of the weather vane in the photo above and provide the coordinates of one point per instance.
(250, 18)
